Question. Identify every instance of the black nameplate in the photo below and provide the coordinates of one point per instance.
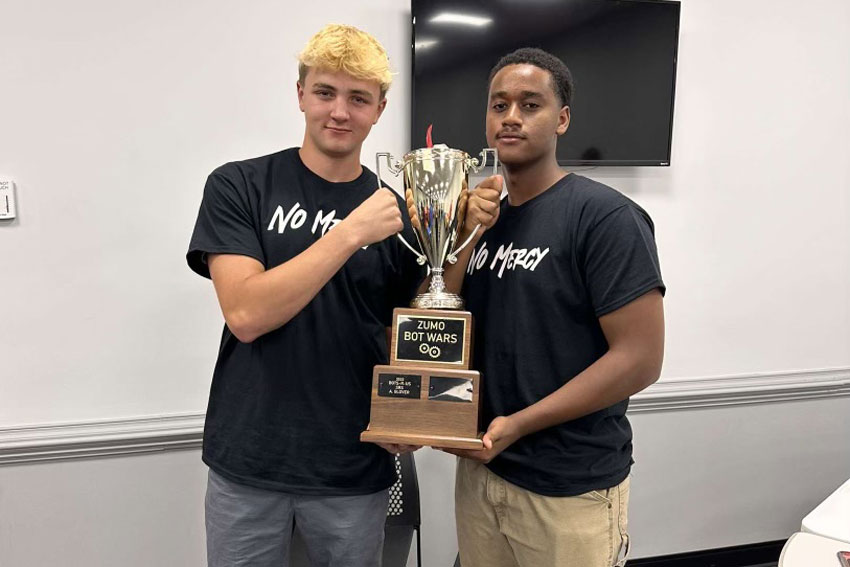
(430, 339)
(399, 385)
(444, 389)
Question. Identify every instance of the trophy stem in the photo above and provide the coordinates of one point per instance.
(438, 284)
(437, 297)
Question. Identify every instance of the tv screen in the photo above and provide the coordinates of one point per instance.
(621, 53)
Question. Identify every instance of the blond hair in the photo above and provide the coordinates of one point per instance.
(338, 47)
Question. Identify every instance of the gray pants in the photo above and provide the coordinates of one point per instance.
(252, 527)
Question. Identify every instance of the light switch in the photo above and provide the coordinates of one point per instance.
(7, 199)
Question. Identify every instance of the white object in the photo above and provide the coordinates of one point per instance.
(464, 19)
(810, 550)
(831, 518)
(7, 199)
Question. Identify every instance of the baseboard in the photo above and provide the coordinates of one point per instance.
(145, 434)
(738, 556)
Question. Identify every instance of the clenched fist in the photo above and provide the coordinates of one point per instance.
(482, 204)
(377, 218)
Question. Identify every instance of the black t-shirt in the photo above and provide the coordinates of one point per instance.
(536, 284)
(286, 411)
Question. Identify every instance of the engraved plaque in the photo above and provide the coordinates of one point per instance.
(399, 385)
(430, 339)
(445, 389)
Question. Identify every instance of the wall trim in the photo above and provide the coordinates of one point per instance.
(108, 437)
(748, 389)
(148, 434)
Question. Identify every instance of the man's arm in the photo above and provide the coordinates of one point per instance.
(635, 335)
(255, 301)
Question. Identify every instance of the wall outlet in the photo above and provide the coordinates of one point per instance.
(8, 209)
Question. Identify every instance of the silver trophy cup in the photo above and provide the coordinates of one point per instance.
(437, 177)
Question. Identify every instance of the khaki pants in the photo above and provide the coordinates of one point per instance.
(502, 525)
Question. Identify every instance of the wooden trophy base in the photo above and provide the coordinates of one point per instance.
(439, 441)
(424, 406)
(427, 395)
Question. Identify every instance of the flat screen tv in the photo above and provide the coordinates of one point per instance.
(621, 53)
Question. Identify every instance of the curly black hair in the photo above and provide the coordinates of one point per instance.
(561, 78)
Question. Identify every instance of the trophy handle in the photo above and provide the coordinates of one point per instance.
(420, 258)
(452, 258)
(476, 165)
(395, 169)
(393, 165)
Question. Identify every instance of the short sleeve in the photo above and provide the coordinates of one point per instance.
(620, 259)
(225, 224)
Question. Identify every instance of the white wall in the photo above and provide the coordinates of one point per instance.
(121, 511)
(720, 477)
(112, 114)
(753, 215)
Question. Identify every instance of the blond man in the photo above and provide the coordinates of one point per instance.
(298, 246)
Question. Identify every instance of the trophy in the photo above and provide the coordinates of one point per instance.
(428, 395)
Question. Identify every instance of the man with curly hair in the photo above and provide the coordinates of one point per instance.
(567, 294)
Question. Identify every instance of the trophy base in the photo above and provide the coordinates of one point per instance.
(437, 301)
(424, 406)
(441, 441)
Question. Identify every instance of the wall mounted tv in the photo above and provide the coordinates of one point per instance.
(622, 55)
